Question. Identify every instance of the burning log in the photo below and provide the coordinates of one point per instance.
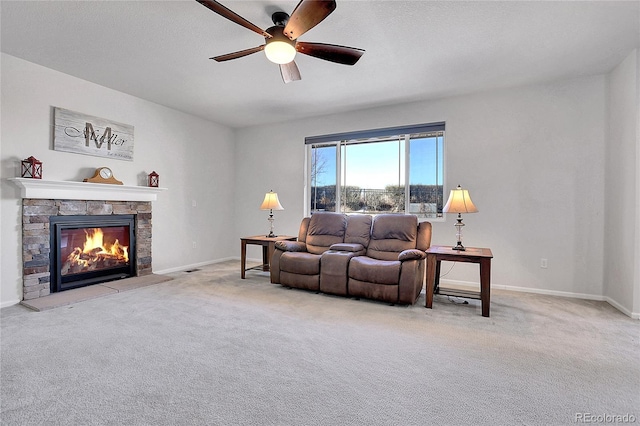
(94, 255)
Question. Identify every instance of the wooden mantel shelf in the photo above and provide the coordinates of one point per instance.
(70, 190)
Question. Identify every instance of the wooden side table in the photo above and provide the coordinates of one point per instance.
(268, 247)
(482, 256)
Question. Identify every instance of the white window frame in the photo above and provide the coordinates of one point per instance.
(342, 139)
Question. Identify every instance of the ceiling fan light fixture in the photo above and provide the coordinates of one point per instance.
(279, 49)
(281, 42)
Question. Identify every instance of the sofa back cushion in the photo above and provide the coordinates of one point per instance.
(424, 236)
(325, 229)
(391, 234)
(304, 228)
(358, 229)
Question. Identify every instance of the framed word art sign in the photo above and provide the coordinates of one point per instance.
(85, 134)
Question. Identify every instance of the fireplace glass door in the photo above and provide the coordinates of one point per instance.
(88, 250)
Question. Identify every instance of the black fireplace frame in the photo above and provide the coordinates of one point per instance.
(58, 223)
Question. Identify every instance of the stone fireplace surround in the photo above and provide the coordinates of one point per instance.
(42, 199)
(36, 235)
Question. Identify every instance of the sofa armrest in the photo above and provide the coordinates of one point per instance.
(291, 246)
(352, 247)
(411, 254)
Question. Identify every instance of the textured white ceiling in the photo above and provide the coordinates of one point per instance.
(415, 50)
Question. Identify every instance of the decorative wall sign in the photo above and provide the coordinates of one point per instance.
(85, 134)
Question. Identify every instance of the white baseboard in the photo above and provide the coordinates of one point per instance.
(192, 266)
(601, 298)
(454, 283)
(618, 306)
(9, 303)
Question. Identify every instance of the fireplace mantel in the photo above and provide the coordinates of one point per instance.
(69, 190)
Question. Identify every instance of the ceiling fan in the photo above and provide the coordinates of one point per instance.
(281, 42)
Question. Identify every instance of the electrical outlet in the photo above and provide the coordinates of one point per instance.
(543, 263)
(194, 203)
(194, 244)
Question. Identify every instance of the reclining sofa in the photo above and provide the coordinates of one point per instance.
(378, 257)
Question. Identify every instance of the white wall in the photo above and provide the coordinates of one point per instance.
(622, 219)
(636, 280)
(531, 157)
(194, 158)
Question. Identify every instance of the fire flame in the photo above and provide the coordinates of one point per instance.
(94, 254)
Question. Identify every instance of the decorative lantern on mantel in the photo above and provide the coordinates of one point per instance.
(154, 179)
(31, 168)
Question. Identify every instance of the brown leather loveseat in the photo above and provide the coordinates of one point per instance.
(378, 257)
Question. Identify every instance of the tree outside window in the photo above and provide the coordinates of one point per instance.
(370, 175)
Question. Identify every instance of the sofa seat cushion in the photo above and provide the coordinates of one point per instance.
(301, 263)
(364, 268)
(354, 248)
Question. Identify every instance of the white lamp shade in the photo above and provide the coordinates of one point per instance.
(271, 202)
(280, 52)
(459, 202)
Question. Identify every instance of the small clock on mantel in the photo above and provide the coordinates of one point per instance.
(103, 175)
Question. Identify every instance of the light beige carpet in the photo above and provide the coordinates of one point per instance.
(208, 348)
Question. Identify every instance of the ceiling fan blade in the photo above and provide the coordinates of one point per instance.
(306, 15)
(232, 16)
(331, 52)
(239, 54)
(290, 72)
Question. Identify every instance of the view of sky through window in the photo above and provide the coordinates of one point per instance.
(375, 165)
(373, 175)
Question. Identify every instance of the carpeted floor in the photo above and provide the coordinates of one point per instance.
(208, 348)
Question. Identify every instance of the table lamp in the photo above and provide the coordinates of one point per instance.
(271, 203)
(459, 202)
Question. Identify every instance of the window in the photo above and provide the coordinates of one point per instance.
(368, 171)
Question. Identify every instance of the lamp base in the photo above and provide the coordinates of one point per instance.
(459, 225)
(459, 247)
(270, 219)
